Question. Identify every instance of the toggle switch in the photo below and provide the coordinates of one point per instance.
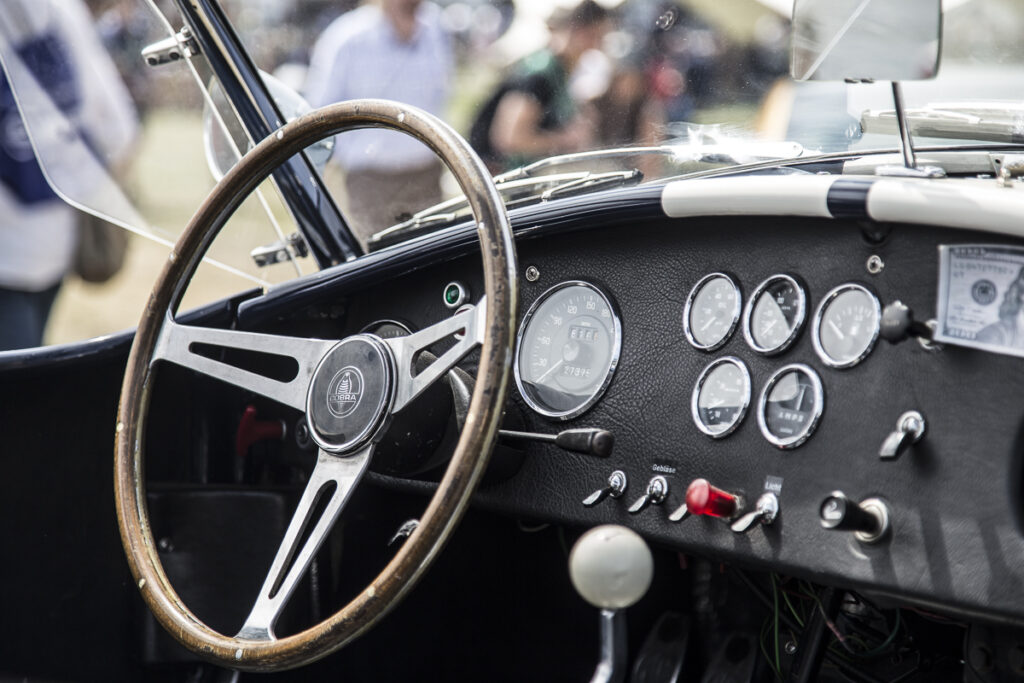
(657, 491)
(682, 512)
(764, 512)
(909, 430)
(704, 499)
(868, 520)
(616, 487)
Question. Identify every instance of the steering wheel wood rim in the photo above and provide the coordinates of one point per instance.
(475, 442)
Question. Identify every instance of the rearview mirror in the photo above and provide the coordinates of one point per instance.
(881, 40)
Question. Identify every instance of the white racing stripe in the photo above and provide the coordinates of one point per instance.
(788, 195)
(970, 204)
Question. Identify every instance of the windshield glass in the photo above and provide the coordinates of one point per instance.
(675, 87)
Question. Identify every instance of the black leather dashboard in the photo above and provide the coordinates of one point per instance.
(955, 498)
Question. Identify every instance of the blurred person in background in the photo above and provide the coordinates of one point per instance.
(532, 114)
(390, 49)
(56, 42)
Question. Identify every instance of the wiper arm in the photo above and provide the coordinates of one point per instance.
(986, 121)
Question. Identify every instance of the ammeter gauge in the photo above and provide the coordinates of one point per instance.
(791, 405)
(567, 349)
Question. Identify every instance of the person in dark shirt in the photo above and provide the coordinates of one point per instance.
(532, 115)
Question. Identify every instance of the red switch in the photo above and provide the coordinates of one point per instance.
(251, 430)
(704, 499)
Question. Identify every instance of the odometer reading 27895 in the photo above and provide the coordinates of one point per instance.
(568, 347)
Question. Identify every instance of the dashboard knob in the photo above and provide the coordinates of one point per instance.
(657, 491)
(868, 520)
(898, 324)
(704, 499)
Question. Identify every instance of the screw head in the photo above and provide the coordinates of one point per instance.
(875, 264)
(532, 273)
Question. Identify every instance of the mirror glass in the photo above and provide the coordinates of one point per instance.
(882, 40)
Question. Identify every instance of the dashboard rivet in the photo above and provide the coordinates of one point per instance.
(532, 273)
(875, 264)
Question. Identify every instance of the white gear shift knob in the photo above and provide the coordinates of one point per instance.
(611, 567)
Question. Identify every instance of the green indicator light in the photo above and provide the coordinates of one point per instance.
(451, 295)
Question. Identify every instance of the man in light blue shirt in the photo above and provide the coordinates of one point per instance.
(397, 50)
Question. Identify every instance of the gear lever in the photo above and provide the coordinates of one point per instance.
(611, 568)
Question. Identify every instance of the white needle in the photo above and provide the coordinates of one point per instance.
(835, 328)
(550, 370)
(708, 323)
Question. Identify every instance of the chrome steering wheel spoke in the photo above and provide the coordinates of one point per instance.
(179, 343)
(328, 489)
(409, 384)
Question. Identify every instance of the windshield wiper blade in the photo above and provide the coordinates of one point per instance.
(514, 193)
(702, 146)
(986, 121)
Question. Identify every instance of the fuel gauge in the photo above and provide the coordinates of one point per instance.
(846, 325)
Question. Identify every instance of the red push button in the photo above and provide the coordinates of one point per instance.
(704, 499)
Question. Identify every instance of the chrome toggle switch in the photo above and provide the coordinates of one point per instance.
(657, 492)
(682, 512)
(764, 512)
(868, 519)
(909, 430)
(616, 487)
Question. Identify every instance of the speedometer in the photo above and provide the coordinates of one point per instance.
(568, 348)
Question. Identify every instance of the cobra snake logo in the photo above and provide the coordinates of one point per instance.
(345, 391)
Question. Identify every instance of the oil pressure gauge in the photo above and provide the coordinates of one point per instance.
(846, 325)
(775, 314)
(567, 349)
(712, 311)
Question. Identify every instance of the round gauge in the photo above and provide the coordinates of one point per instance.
(846, 325)
(774, 314)
(791, 405)
(712, 311)
(388, 329)
(721, 397)
(568, 347)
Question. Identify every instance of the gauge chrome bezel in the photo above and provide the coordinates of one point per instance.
(737, 311)
(695, 398)
(613, 364)
(801, 317)
(377, 324)
(819, 316)
(819, 407)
